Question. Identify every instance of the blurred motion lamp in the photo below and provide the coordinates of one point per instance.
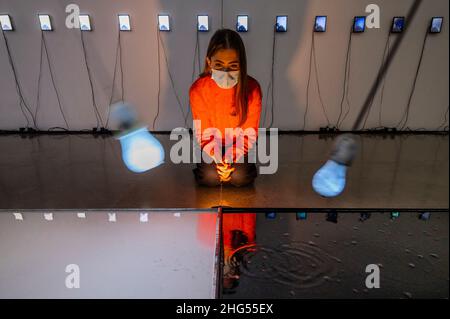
(329, 180)
(141, 151)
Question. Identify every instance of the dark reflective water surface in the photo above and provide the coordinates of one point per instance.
(326, 256)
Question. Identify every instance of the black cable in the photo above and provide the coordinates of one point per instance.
(317, 80)
(94, 103)
(196, 57)
(312, 56)
(307, 84)
(346, 82)
(385, 54)
(159, 78)
(347, 98)
(442, 126)
(53, 80)
(117, 63)
(57, 128)
(122, 87)
(383, 81)
(22, 102)
(172, 83)
(318, 86)
(273, 83)
(413, 88)
(38, 95)
(270, 86)
(384, 67)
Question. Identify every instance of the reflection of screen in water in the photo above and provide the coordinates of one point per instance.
(45, 22)
(360, 23)
(436, 25)
(124, 22)
(203, 23)
(321, 24)
(398, 24)
(164, 23)
(281, 23)
(242, 24)
(85, 24)
(5, 22)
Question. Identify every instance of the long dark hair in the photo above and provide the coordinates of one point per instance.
(229, 39)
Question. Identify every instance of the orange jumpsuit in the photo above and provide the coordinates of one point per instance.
(216, 108)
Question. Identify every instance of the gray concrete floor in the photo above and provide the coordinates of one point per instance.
(80, 171)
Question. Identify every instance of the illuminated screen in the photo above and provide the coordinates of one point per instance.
(398, 24)
(321, 24)
(124, 22)
(85, 23)
(44, 20)
(5, 22)
(242, 24)
(203, 23)
(281, 25)
(436, 24)
(359, 24)
(164, 24)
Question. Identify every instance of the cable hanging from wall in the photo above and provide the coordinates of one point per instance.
(382, 83)
(387, 49)
(44, 50)
(194, 64)
(444, 127)
(91, 85)
(271, 84)
(346, 84)
(312, 57)
(404, 120)
(24, 107)
(383, 69)
(172, 83)
(118, 65)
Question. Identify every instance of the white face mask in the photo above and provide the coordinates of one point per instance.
(225, 80)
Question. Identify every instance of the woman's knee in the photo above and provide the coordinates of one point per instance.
(207, 175)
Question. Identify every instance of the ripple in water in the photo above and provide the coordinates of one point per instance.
(297, 264)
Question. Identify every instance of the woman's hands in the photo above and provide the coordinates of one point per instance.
(224, 170)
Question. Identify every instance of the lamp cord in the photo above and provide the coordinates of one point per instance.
(50, 68)
(405, 116)
(367, 104)
(117, 65)
(22, 103)
(94, 103)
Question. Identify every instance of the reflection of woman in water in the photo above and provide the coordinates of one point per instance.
(239, 230)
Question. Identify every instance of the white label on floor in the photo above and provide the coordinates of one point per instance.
(18, 216)
(81, 215)
(143, 217)
(112, 217)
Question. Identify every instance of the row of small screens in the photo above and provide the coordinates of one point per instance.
(320, 24)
